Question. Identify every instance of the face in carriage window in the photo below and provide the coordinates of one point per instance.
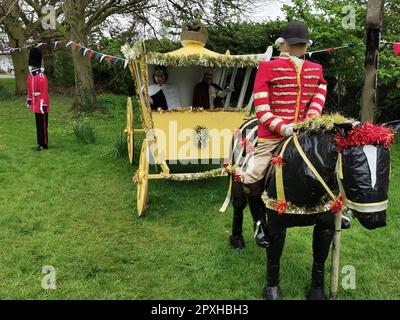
(160, 79)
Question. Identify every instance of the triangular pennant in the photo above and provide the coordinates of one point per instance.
(116, 60)
(310, 53)
(102, 57)
(97, 56)
(86, 50)
(91, 53)
(69, 43)
(396, 49)
(110, 58)
(126, 63)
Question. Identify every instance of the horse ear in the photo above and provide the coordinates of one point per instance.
(393, 125)
(343, 128)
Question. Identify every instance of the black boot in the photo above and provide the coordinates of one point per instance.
(258, 212)
(317, 284)
(236, 239)
(274, 253)
(322, 240)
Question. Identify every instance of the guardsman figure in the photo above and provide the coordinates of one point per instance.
(287, 90)
(38, 97)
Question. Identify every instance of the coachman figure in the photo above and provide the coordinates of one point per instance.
(287, 90)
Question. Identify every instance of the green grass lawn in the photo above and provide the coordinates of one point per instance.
(74, 208)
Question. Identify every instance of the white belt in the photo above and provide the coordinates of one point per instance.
(35, 94)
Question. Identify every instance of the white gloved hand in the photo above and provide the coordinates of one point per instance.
(288, 130)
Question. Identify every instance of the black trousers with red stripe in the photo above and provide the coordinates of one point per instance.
(41, 128)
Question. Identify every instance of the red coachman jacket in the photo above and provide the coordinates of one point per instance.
(38, 95)
(284, 94)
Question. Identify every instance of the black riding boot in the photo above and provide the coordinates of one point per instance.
(236, 239)
(274, 253)
(322, 239)
(258, 212)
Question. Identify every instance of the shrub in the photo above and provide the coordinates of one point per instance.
(119, 148)
(84, 132)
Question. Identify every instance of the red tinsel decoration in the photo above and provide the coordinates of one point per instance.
(237, 177)
(336, 206)
(277, 161)
(363, 135)
(109, 59)
(280, 206)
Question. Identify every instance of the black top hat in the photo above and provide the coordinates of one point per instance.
(35, 58)
(296, 32)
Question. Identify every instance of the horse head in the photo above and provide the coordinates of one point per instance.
(363, 169)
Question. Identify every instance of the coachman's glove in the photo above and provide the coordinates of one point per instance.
(288, 130)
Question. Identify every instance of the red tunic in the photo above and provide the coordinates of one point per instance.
(38, 96)
(283, 95)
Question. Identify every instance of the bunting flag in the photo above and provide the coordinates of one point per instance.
(396, 49)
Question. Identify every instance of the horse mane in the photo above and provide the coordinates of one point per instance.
(322, 124)
(360, 134)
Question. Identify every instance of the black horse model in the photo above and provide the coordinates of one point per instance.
(331, 163)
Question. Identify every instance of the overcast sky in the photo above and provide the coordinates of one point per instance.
(268, 9)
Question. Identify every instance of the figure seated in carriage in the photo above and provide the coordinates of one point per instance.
(163, 95)
(209, 95)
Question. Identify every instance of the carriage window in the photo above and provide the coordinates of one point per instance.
(163, 94)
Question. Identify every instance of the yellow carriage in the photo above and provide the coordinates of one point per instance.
(186, 134)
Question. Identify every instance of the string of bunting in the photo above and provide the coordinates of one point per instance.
(99, 56)
(92, 54)
(330, 50)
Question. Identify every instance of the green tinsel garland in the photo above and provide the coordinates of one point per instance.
(214, 62)
(322, 123)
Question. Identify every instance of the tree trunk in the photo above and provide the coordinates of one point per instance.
(85, 95)
(85, 98)
(17, 38)
(20, 62)
(373, 34)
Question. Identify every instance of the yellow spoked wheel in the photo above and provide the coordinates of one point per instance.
(129, 131)
(143, 179)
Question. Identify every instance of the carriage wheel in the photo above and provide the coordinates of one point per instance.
(129, 131)
(143, 179)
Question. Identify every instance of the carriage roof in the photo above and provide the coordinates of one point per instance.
(195, 54)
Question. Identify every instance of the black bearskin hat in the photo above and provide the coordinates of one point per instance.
(35, 58)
